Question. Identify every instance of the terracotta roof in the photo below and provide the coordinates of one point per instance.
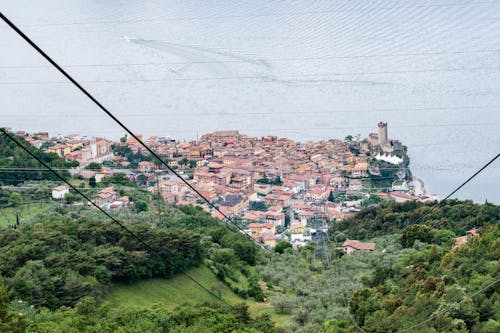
(463, 239)
(266, 236)
(358, 245)
(402, 195)
(460, 241)
(473, 232)
(60, 188)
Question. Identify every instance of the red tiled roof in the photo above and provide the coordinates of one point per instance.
(358, 245)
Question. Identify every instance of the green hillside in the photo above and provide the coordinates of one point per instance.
(181, 290)
(13, 156)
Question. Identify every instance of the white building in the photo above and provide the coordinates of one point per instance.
(59, 192)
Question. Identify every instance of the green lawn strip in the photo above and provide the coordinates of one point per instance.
(8, 215)
(179, 290)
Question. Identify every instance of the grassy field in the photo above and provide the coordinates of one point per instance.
(179, 290)
(8, 215)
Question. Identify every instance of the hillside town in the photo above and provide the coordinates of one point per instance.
(275, 187)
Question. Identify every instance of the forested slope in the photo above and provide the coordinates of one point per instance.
(444, 286)
(453, 215)
(26, 167)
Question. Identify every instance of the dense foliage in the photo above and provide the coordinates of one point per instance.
(26, 167)
(313, 287)
(58, 262)
(436, 284)
(230, 256)
(456, 216)
(90, 317)
(132, 158)
(413, 273)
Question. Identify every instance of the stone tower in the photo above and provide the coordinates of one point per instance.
(382, 133)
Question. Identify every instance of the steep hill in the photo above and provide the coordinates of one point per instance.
(13, 156)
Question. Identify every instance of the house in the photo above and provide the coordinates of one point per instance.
(459, 241)
(167, 186)
(317, 193)
(145, 166)
(233, 204)
(277, 200)
(268, 239)
(106, 196)
(355, 185)
(122, 202)
(360, 170)
(59, 192)
(262, 228)
(302, 181)
(401, 197)
(296, 228)
(300, 238)
(276, 218)
(60, 150)
(351, 245)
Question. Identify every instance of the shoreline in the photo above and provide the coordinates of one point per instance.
(419, 188)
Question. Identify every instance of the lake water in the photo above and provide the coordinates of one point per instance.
(300, 69)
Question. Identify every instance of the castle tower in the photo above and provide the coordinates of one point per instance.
(93, 148)
(382, 133)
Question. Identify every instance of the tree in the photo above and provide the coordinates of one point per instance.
(264, 180)
(282, 246)
(444, 237)
(258, 205)
(118, 179)
(15, 199)
(92, 182)
(9, 320)
(192, 164)
(331, 197)
(278, 181)
(283, 304)
(71, 198)
(416, 231)
(141, 206)
(243, 248)
(142, 179)
(93, 166)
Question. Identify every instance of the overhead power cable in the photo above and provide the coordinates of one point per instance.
(439, 203)
(120, 224)
(258, 60)
(434, 316)
(116, 120)
(315, 77)
(303, 112)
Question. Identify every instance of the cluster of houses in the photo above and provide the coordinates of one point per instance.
(290, 181)
(73, 147)
(106, 198)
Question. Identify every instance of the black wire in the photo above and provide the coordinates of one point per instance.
(296, 59)
(439, 203)
(115, 119)
(290, 77)
(148, 247)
